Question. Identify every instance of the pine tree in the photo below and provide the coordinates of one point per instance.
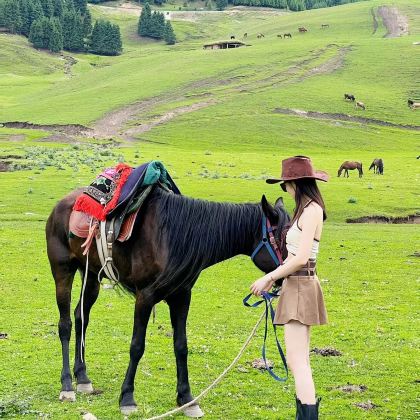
(55, 43)
(157, 25)
(72, 25)
(87, 23)
(24, 13)
(106, 38)
(47, 7)
(80, 5)
(169, 35)
(221, 4)
(144, 25)
(12, 19)
(36, 34)
(58, 8)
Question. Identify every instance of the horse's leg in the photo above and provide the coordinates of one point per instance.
(179, 305)
(142, 312)
(63, 270)
(90, 295)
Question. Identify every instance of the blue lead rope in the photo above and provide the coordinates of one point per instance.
(267, 298)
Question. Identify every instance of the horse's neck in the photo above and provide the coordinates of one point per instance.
(237, 231)
(201, 233)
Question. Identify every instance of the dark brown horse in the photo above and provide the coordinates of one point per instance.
(378, 166)
(173, 241)
(287, 35)
(348, 165)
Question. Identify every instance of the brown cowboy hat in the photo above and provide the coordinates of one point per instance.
(298, 167)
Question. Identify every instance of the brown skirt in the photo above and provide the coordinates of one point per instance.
(301, 299)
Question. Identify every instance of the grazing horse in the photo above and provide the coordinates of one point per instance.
(172, 242)
(350, 165)
(360, 104)
(412, 104)
(349, 97)
(260, 35)
(279, 36)
(232, 37)
(288, 35)
(378, 166)
(245, 35)
(302, 29)
(325, 25)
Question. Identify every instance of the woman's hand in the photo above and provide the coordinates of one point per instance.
(264, 284)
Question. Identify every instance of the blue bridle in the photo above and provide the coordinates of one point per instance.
(269, 241)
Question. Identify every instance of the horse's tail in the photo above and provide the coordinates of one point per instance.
(361, 168)
(381, 166)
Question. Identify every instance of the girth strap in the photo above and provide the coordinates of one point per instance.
(104, 242)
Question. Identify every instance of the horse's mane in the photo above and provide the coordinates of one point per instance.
(199, 233)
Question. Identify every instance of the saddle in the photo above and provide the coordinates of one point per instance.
(108, 208)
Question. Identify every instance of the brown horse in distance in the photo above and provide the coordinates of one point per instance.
(349, 165)
(378, 166)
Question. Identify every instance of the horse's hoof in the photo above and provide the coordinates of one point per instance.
(193, 411)
(67, 396)
(128, 409)
(85, 388)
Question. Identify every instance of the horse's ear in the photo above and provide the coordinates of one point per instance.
(269, 211)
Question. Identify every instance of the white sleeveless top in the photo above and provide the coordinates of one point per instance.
(293, 241)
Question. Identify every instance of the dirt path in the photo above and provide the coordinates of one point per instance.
(395, 23)
(343, 117)
(162, 119)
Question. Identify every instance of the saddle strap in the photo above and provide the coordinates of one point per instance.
(104, 241)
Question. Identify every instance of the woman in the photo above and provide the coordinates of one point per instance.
(301, 302)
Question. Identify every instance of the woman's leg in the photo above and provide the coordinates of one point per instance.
(296, 337)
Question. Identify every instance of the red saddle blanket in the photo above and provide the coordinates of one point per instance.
(79, 225)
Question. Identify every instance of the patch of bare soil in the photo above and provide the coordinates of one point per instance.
(410, 219)
(69, 61)
(326, 351)
(349, 388)
(368, 405)
(259, 364)
(395, 23)
(70, 129)
(343, 117)
(6, 166)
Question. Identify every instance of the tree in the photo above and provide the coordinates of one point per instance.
(157, 26)
(105, 38)
(87, 24)
(12, 19)
(58, 8)
(72, 24)
(48, 8)
(80, 5)
(169, 35)
(221, 4)
(145, 21)
(55, 43)
(36, 34)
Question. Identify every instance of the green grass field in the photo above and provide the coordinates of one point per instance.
(222, 151)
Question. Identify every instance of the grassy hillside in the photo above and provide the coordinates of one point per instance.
(221, 123)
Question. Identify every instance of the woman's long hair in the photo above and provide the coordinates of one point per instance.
(306, 188)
